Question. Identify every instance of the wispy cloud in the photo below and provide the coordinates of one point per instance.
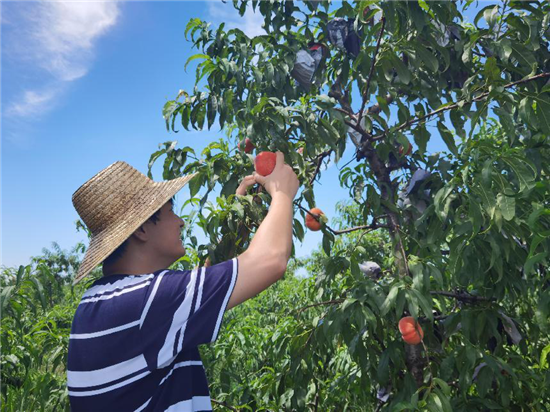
(52, 43)
(31, 101)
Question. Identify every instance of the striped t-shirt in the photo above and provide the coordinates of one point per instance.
(133, 343)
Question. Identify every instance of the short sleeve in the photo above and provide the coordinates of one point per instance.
(185, 309)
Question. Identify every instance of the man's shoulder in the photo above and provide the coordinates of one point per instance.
(116, 285)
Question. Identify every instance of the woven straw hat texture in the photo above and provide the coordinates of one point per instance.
(113, 204)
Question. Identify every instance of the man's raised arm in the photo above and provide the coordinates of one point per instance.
(265, 261)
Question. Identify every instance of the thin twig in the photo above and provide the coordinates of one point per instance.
(366, 94)
(327, 302)
(455, 105)
(462, 296)
(224, 405)
(319, 160)
(372, 226)
(354, 126)
(427, 357)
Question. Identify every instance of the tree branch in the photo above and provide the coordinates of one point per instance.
(224, 405)
(319, 159)
(482, 96)
(465, 297)
(336, 92)
(366, 94)
(328, 302)
(372, 226)
(353, 229)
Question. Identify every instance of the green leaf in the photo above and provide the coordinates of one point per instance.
(327, 243)
(5, 296)
(491, 70)
(543, 113)
(194, 57)
(423, 303)
(195, 184)
(192, 24)
(524, 171)
(258, 108)
(476, 216)
(481, 13)
(527, 113)
(390, 300)
(490, 15)
(484, 380)
(426, 57)
(525, 58)
(185, 116)
(487, 173)
(507, 206)
(325, 102)
(532, 261)
(544, 357)
(332, 135)
(442, 201)
(444, 401)
(324, 135)
(402, 70)
(447, 137)
(269, 72)
(298, 230)
(417, 14)
(412, 303)
(238, 208)
(383, 369)
(212, 109)
(443, 385)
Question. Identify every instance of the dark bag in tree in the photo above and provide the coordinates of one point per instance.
(417, 178)
(337, 32)
(353, 42)
(304, 68)
(306, 64)
(343, 36)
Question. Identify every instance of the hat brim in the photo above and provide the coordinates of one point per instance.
(107, 241)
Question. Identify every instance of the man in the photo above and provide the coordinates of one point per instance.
(134, 338)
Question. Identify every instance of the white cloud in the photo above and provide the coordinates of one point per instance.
(53, 38)
(31, 102)
(64, 34)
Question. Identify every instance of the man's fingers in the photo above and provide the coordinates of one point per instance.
(280, 159)
(248, 181)
(245, 184)
(259, 178)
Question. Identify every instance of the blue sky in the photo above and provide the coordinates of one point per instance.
(83, 85)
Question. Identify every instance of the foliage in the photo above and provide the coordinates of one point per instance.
(465, 251)
(37, 305)
(468, 245)
(262, 360)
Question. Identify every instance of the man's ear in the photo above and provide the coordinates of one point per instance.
(140, 233)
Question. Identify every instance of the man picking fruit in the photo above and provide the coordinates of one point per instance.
(135, 334)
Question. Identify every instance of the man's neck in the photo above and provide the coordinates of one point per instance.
(123, 267)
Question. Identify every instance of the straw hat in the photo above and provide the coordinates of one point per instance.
(113, 204)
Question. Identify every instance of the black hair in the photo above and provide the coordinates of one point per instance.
(119, 251)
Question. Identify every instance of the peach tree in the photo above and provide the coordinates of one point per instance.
(467, 228)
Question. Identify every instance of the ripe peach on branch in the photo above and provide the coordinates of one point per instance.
(314, 219)
(246, 145)
(410, 330)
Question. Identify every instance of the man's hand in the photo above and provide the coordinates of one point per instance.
(245, 184)
(281, 182)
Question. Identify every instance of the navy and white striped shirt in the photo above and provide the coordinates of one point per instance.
(133, 343)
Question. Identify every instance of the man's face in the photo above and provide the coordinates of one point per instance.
(165, 236)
